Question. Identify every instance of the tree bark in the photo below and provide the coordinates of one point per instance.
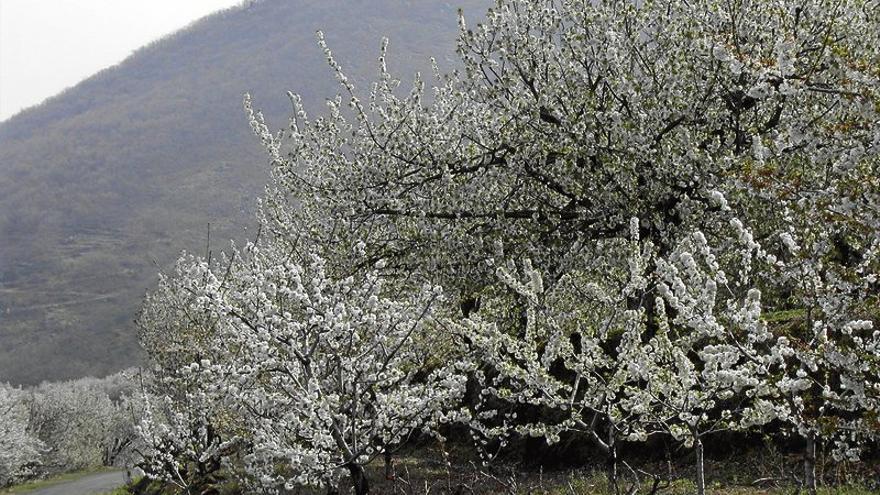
(701, 474)
(358, 479)
(810, 464)
(389, 466)
(612, 468)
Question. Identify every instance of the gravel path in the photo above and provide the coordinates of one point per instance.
(93, 484)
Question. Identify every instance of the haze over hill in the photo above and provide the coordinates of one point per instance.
(103, 185)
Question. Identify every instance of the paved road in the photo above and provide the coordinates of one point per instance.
(92, 484)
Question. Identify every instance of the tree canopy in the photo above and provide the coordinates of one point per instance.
(619, 200)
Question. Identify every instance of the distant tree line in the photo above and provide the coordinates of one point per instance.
(67, 426)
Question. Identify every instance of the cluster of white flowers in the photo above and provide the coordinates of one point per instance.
(687, 363)
(20, 449)
(298, 376)
(652, 218)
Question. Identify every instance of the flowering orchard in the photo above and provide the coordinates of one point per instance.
(621, 201)
(59, 427)
(302, 376)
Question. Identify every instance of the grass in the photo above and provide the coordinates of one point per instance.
(785, 316)
(54, 480)
(597, 484)
(752, 473)
(122, 490)
(414, 473)
(562, 483)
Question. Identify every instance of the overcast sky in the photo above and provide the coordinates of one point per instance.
(49, 45)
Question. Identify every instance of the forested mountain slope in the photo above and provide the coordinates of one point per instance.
(104, 184)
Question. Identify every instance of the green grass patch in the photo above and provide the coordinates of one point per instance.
(785, 315)
(122, 490)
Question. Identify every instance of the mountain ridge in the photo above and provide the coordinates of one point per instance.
(104, 184)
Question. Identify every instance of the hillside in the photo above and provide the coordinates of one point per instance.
(104, 184)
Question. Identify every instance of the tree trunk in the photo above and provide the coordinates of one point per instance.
(810, 464)
(612, 468)
(389, 466)
(358, 479)
(701, 475)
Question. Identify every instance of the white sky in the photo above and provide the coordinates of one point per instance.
(49, 45)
